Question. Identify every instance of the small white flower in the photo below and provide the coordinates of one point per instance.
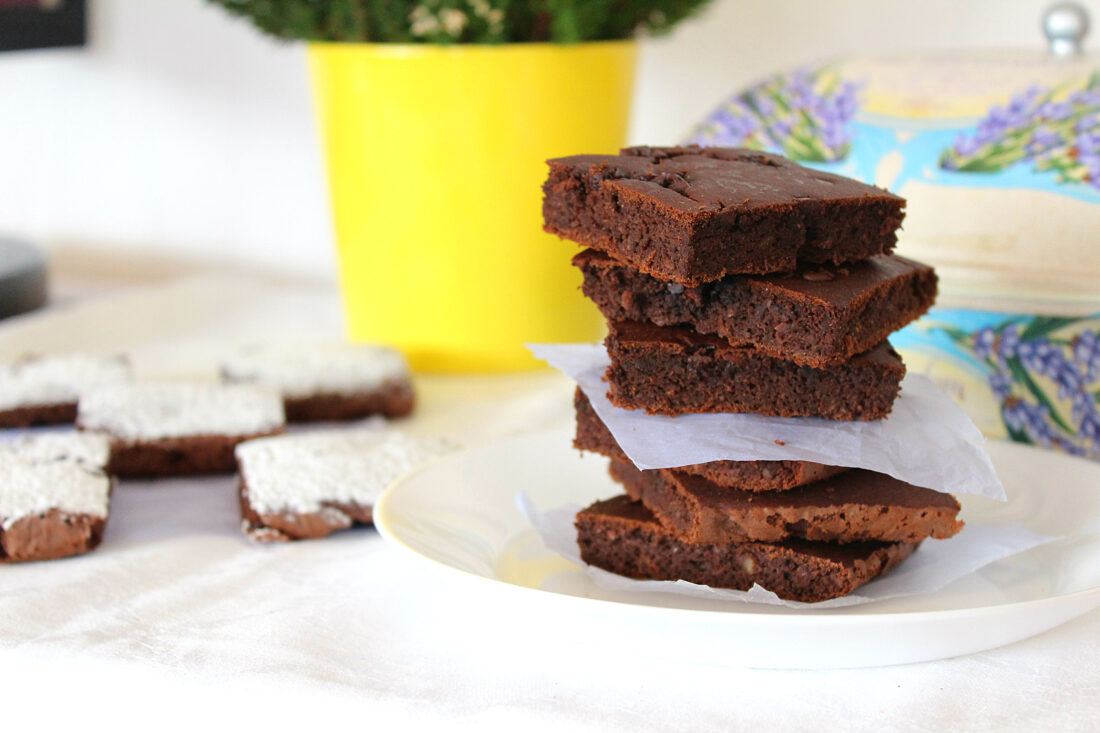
(423, 21)
(453, 21)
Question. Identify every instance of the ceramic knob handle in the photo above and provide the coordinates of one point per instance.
(1065, 26)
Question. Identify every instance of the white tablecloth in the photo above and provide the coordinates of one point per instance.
(176, 619)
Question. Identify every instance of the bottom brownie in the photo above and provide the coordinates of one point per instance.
(593, 435)
(189, 455)
(623, 537)
(287, 525)
(393, 399)
(25, 417)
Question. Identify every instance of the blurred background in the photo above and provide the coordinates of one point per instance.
(180, 140)
(180, 134)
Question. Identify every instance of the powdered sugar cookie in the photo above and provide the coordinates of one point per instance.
(176, 428)
(42, 390)
(54, 496)
(307, 485)
(333, 381)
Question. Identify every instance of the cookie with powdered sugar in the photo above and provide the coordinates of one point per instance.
(44, 390)
(326, 381)
(307, 485)
(178, 428)
(89, 449)
(54, 496)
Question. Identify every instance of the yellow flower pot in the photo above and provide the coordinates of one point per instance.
(435, 159)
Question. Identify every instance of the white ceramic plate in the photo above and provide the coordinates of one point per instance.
(460, 513)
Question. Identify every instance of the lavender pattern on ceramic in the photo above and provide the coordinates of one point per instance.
(1044, 372)
(805, 115)
(1056, 130)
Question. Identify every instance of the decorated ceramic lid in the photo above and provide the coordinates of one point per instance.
(997, 152)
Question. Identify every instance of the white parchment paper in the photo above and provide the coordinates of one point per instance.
(935, 563)
(927, 440)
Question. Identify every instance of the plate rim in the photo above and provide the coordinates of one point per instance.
(841, 616)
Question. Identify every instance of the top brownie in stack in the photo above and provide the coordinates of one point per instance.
(691, 215)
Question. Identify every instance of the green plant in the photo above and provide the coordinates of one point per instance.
(462, 21)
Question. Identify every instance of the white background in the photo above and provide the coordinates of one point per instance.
(181, 132)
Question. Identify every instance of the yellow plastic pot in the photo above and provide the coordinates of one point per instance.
(436, 155)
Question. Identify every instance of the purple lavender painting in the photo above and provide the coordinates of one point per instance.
(1055, 130)
(805, 115)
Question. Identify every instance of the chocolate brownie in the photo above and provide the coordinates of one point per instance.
(675, 371)
(54, 496)
(623, 537)
(307, 485)
(692, 215)
(820, 316)
(326, 381)
(182, 456)
(178, 428)
(593, 435)
(392, 399)
(856, 506)
(44, 390)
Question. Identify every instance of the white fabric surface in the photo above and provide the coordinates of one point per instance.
(176, 619)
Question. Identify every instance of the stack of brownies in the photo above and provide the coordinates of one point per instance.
(738, 281)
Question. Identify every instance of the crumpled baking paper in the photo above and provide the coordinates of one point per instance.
(927, 440)
(935, 563)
